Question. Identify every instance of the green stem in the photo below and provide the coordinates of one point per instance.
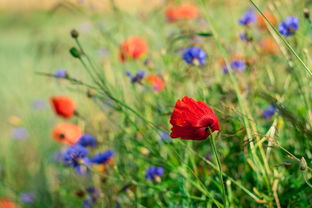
(213, 145)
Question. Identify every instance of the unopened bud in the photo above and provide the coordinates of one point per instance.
(306, 13)
(75, 52)
(74, 33)
(303, 164)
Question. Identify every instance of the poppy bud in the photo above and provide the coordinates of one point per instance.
(74, 33)
(303, 164)
(306, 13)
(75, 52)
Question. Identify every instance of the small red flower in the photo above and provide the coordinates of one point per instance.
(181, 12)
(67, 133)
(192, 120)
(7, 203)
(156, 81)
(63, 106)
(262, 22)
(132, 48)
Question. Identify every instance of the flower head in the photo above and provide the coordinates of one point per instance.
(102, 157)
(248, 18)
(180, 12)
(193, 120)
(87, 140)
(7, 203)
(269, 111)
(19, 133)
(289, 26)
(67, 133)
(28, 197)
(261, 22)
(132, 48)
(154, 173)
(60, 73)
(137, 77)
(76, 156)
(237, 65)
(269, 45)
(63, 106)
(156, 81)
(194, 56)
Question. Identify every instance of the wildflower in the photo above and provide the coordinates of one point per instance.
(76, 157)
(289, 26)
(144, 150)
(195, 56)
(63, 106)
(27, 198)
(60, 73)
(154, 173)
(156, 81)
(187, 11)
(172, 14)
(7, 203)
(87, 140)
(181, 12)
(248, 18)
(67, 133)
(38, 104)
(269, 111)
(19, 133)
(87, 203)
(132, 48)
(14, 120)
(93, 194)
(103, 157)
(261, 22)
(137, 77)
(193, 120)
(237, 65)
(245, 37)
(269, 46)
(164, 136)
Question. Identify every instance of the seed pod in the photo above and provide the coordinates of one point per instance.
(306, 13)
(303, 164)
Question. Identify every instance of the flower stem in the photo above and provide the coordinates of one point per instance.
(214, 149)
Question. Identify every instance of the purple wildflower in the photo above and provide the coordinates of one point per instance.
(137, 77)
(19, 133)
(154, 173)
(248, 18)
(289, 26)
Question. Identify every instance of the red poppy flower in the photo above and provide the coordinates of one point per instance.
(262, 22)
(192, 120)
(7, 203)
(67, 133)
(187, 11)
(156, 81)
(183, 11)
(172, 14)
(63, 106)
(269, 46)
(134, 47)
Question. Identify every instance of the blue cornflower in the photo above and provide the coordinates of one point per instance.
(248, 18)
(76, 157)
(269, 111)
(137, 77)
(87, 140)
(236, 65)
(28, 197)
(102, 157)
(19, 133)
(154, 173)
(93, 193)
(38, 104)
(289, 26)
(195, 56)
(60, 73)
(164, 136)
(87, 203)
